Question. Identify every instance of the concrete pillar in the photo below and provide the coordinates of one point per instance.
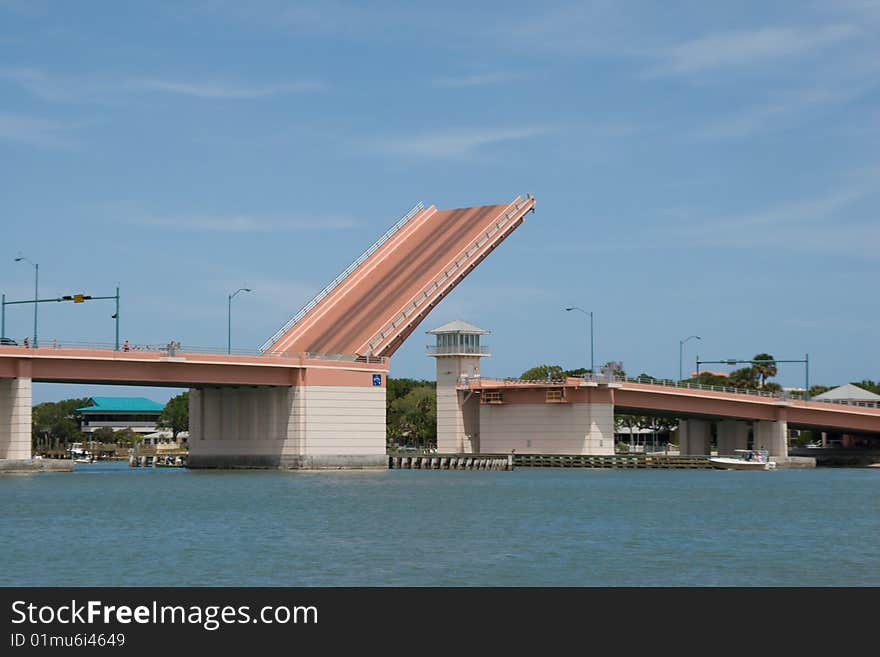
(196, 421)
(15, 418)
(772, 436)
(732, 435)
(290, 427)
(600, 431)
(694, 437)
(458, 412)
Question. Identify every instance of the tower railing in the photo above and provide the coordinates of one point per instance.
(418, 207)
(447, 350)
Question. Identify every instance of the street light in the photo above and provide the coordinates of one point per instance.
(680, 350)
(36, 292)
(229, 319)
(590, 315)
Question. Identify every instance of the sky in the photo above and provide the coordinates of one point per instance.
(706, 169)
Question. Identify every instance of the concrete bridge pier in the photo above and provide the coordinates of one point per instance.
(694, 437)
(15, 418)
(298, 427)
(732, 435)
(772, 435)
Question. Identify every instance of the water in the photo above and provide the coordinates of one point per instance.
(111, 525)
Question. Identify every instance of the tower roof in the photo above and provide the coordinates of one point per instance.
(458, 326)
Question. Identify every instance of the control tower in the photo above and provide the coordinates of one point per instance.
(458, 352)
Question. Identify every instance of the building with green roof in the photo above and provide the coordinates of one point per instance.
(136, 413)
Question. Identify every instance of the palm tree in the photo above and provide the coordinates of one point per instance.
(766, 368)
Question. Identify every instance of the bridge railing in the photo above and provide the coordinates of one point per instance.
(418, 207)
(778, 394)
(182, 350)
(606, 378)
(416, 302)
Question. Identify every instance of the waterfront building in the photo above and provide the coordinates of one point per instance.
(136, 413)
(849, 395)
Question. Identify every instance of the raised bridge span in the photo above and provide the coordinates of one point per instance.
(314, 397)
(373, 307)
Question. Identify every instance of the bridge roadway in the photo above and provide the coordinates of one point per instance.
(65, 365)
(351, 318)
(156, 368)
(648, 399)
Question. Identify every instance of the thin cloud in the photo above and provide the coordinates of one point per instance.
(73, 89)
(459, 143)
(745, 48)
(241, 224)
(222, 90)
(839, 221)
(782, 109)
(478, 80)
(33, 131)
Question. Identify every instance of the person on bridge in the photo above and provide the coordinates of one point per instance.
(125, 346)
(27, 343)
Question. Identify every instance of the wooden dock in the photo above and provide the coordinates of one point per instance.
(431, 461)
(631, 461)
(398, 461)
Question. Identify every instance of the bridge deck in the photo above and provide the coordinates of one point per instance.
(403, 279)
(646, 399)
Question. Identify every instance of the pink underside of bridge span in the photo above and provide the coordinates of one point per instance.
(646, 398)
(406, 275)
(183, 370)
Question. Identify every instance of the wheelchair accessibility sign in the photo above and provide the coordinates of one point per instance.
(377, 379)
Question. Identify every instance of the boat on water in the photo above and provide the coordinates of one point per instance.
(169, 462)
(745, 459)
(79, 454)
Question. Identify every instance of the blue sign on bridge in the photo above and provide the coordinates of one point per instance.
(377, 379)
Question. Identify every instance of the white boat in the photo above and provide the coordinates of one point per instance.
(79, 454)
(745, 459)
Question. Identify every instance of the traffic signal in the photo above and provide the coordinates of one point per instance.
(76, 298)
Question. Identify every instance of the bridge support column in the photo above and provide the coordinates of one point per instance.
(772, 436)
(694, 437)
(732, 435)
(15, 418)
(315, 427)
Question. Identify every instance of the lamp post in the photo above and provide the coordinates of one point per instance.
(590, 315)
(681, 350)
(36, 292)
(229, 318)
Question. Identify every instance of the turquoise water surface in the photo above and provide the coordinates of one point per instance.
(112, 525)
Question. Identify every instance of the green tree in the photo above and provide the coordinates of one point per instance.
(710, 379)
(103, 435)
(542, 373)
(58, 420)
(627, 424)
(175, 415)
(818, 390)
(869, 385)
(745, 377)
(399, 427)
(765, 368)
(396, 388)
(412, 418)
(127, 437)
